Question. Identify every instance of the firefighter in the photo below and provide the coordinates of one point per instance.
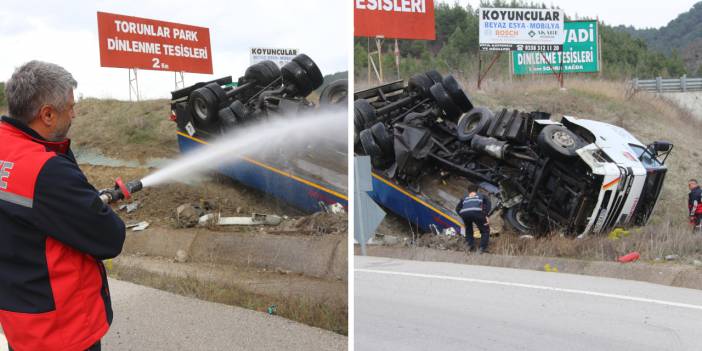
(474, 208)
(694, 205)
(55, 230)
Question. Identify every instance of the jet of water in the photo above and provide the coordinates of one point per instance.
(289, 132)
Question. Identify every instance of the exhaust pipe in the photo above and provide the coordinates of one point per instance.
(121, 191)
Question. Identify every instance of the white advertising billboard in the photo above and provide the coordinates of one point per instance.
(503, 29)
(280, 56)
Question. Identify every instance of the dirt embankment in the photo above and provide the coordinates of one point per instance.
(125, 130)
(647, 116)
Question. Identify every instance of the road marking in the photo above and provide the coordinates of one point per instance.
(3, 342)
(537, 287)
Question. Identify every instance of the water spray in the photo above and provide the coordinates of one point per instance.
(121, 191)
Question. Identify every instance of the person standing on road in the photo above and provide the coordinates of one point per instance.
(474, 209)
(54, 228)
(694, 205)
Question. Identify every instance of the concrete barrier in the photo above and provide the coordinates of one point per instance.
(663, 273)
(315, 256)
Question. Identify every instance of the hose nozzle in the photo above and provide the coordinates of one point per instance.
(120, 191)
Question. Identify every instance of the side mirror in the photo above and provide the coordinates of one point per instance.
(661, 146)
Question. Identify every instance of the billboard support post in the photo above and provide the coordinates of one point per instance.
(397, 58)
(133, 84)
(481, 75)
(379, 45)
(179, 80)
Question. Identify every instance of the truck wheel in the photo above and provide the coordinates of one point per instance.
(262, 73)
(558, 141)
(443, 100)
(363, 114)
(336, 93)
(296, 79)
(369, 145)
(518, 220)
(218, 91)
(239, 111)
(435, 76)
(204, 106)
(313, 73)
(383, 139)
(474, 122)
(456, 93)
(420, 84)
(227, 118)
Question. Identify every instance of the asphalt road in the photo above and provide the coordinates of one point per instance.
(150, 319)
(410, 305)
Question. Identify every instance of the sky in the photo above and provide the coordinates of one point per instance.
(640, 14)
(65, 33)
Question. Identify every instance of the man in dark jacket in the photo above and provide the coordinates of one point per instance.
(474, 209)
(54, 230)
(694, 205)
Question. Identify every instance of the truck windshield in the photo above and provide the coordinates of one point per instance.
(645, 156)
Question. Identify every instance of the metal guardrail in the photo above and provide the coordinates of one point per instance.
(675, 85)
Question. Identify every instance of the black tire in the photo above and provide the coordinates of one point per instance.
(369, 145)
(313, 72)
(457, 94)
(434, 76)
(296, 79)
(384, 139)
(444, 101)
(228, 119)
(336, 93)
(474, 122)
(262, 73)
(219, 93)
(557, 141)
(516, 219)
(204, 107)
(239, 111)
(363, 114)
(420, 84)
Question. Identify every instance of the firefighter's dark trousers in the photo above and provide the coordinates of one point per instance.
(479, 219)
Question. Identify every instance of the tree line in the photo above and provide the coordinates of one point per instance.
(456, 49)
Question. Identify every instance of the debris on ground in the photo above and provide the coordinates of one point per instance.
(188, 215)
(254, 219)
(672, 257)
(140, 226)
(697, 263)
(181, 256)
(319, 223)
(630, 257)
(130, 207)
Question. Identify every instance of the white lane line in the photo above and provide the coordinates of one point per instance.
(537, 287)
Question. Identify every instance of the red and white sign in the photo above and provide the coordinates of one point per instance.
(400, 19)
(133, 42)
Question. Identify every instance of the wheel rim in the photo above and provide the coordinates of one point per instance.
(522, 219)
(201, 109)
(471, 125)
(563, 139)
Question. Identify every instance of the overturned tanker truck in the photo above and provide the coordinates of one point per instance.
(310, 180)
(427, 142)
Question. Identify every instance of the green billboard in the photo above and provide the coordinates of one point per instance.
(579, 55)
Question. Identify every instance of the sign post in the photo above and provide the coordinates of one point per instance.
(504, 29)
(142, 43)
(384, 19)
